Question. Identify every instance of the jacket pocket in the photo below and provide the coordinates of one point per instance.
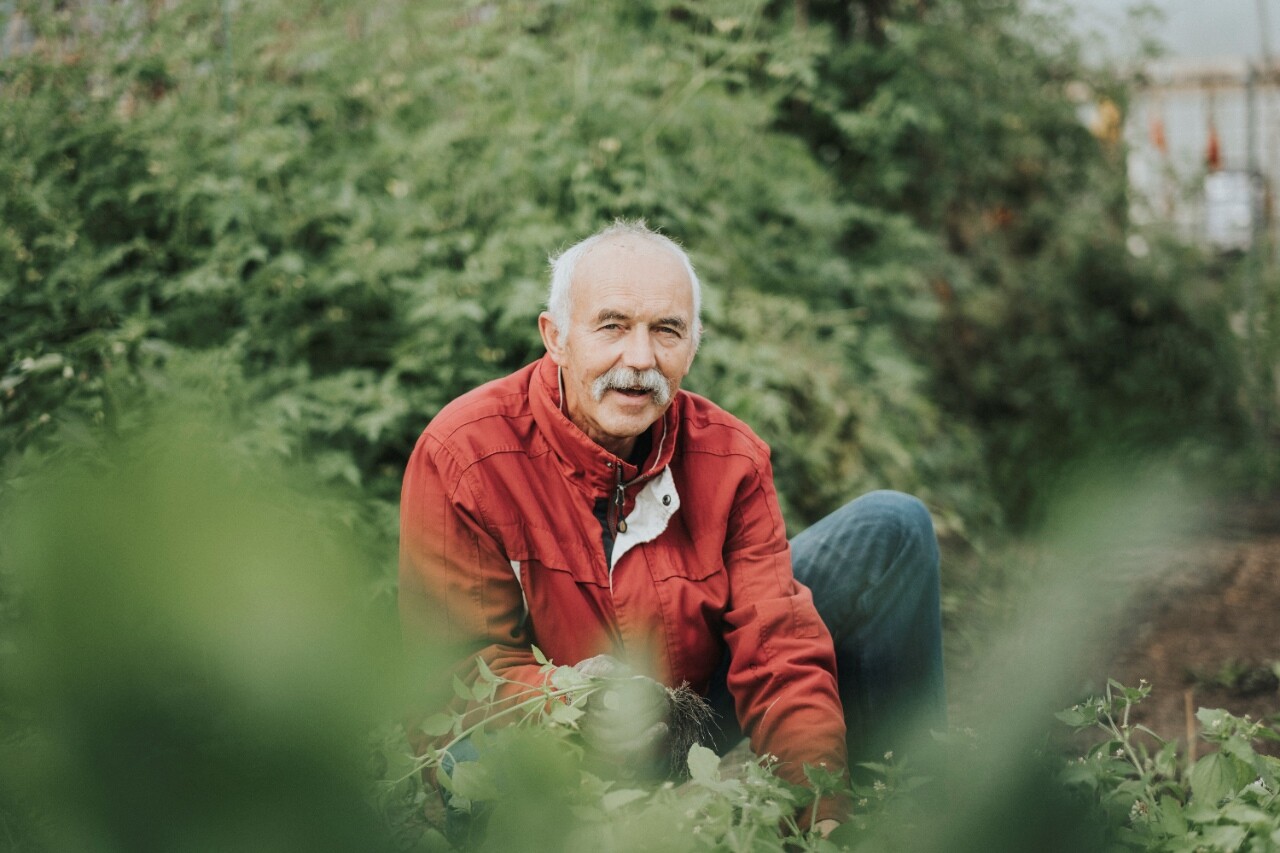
(675, 554)
(537, 549)
(663, 566)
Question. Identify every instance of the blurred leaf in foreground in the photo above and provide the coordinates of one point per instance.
(192, 664)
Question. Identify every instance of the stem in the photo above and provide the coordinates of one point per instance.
(744, 834)
(531, 703)
(1121, 731)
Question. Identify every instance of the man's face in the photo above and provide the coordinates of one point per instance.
(629, 342)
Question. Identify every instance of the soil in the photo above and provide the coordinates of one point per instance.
(1211, 638)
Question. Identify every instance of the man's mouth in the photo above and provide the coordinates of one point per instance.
(634, 393)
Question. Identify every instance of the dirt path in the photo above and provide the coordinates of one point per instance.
(1209, 636)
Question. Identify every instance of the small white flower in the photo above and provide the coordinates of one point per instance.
(888, 756)
(878, 786)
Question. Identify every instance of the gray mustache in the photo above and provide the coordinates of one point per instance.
(624, 378)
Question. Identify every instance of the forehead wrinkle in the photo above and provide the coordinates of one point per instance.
(612, 314)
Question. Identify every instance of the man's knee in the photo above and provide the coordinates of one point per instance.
(903, 517)
(879, 544)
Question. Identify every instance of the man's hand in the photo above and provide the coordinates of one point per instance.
(826, 827)
(603, 666)
(625, 724)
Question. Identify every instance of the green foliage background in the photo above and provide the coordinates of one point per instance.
(336, 219)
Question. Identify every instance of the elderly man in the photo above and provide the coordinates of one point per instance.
(588, 506)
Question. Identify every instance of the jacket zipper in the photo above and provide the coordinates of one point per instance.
(616, 521)
(617, 524)
(613, 516)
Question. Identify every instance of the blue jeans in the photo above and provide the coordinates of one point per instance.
(872, 566)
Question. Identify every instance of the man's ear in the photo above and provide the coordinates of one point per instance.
(551, 337)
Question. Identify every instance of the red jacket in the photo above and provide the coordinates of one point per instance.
(500, 550)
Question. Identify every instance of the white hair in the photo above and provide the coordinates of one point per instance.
(562, 267)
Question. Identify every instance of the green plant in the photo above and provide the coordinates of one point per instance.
(1226, 801)
(1143, 794)
(739, 808)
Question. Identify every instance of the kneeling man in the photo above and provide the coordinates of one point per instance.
(588, 506)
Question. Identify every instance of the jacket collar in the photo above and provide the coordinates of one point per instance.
(584, 459)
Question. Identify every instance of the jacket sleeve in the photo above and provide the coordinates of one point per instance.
(782, 663)
(458, 595)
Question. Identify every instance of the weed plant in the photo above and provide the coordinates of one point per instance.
(1130, 791)
(1154, 799)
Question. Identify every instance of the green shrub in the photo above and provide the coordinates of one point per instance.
(351, 209)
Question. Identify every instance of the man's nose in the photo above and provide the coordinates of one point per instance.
(638, 354)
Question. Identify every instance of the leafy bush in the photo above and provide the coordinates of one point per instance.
(352, 210)
(352, 207)
(993, 238)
